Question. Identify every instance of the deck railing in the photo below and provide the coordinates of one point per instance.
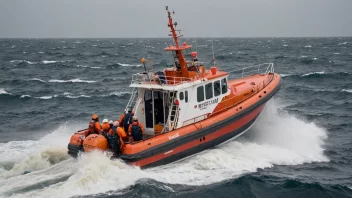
(264, 68)
(152, 78)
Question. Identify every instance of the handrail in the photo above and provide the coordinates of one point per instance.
(152, 78)
(255, 69)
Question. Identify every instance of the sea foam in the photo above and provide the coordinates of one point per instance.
(276, 139)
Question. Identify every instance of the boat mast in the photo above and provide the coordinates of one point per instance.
(178, 49)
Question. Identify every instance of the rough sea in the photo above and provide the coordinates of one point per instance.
(301, 145)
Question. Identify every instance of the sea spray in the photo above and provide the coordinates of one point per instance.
(276, 139)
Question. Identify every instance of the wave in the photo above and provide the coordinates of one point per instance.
(85, 66)
(128, 65)
(80, 96)
(344, 43)
(347, 90)
(3, 91)
(319, 74)
(49, 61)
(313, 73)
(23, 61)
(265, 145)
(25, 96)
(37, 79)
(284, 75)
(47, 97)
(77, 80)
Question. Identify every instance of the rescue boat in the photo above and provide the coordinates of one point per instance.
(187, 108)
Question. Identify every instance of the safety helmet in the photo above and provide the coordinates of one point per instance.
(95, 117)
(134, 118)
(116, 123)
(129, 109)
(105, 120)
(111, 122)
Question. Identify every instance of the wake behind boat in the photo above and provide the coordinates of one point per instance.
(185, 108)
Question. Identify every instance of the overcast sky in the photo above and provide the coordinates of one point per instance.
(201, 18)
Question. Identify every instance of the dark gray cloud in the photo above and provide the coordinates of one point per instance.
(147, 18)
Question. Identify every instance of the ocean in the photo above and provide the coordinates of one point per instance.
(300, 146)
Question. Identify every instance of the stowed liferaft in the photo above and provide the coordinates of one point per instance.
(95, 141)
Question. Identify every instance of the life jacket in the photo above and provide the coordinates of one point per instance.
(127, 121)
(106, 127)
(91, 128)
(113, 130)
(136, 132)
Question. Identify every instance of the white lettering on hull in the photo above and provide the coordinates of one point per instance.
(173, 136)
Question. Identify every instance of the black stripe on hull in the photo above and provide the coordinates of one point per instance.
(202, 146)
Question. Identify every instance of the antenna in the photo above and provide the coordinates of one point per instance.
(212, 48)
(195, 42)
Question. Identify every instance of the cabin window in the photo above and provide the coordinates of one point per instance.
(200, 93)
(223, 86)
(181, 96)
(186, 96)
(217, 90)
(209, 91)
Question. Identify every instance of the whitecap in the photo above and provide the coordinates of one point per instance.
(315, 58)
(48, 61)
(347, 90)
(47, 97)
(40, 52)
(119, 93)
(311, 73)
(337, 53)
(3, 91)
(86, 66)
(25, 96)
(284, 75)
(72, 81)
(23, 61)
(128, 65)
(94, 45)
(344, 43)
(80, 96)
(285, 45)
(37, 79)
(308, 46)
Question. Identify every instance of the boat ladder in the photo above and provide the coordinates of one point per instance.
(133, 99)
(173, 114)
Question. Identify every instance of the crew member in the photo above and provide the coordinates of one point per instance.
(127, 119)
(119, 131)
(136, 130)
(94, 125)
(111, 123)
(105, 126)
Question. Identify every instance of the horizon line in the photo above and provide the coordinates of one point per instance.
(201, 37)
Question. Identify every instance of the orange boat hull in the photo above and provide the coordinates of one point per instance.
(228, 123)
